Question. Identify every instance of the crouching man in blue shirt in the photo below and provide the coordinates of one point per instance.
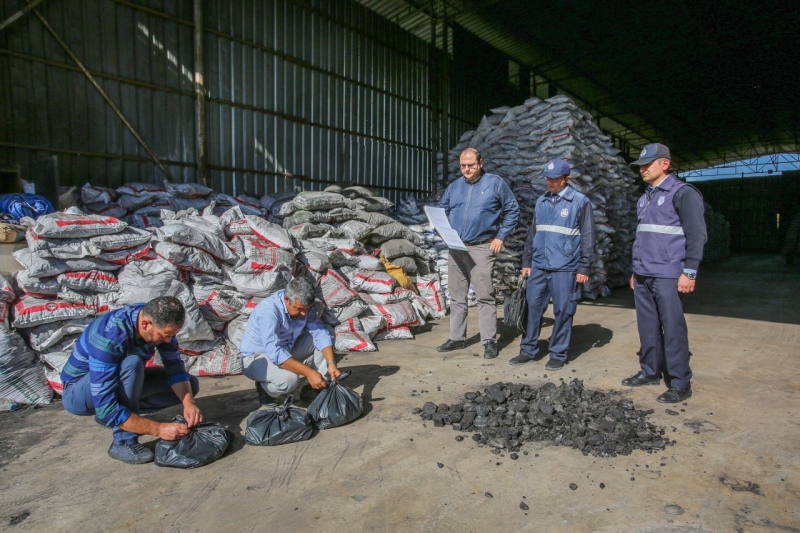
(284, 339)
(105, 376)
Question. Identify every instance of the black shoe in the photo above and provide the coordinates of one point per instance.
(131, 453)
(263, 398)
(308, 393)
(490, 350)
(675, 395)
(554, 364)
(638, 380)
(520, 360)
(451, 345)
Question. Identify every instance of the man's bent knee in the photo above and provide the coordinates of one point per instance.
(283, 386)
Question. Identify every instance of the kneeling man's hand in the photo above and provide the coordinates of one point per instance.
(192, 414)
(333, 371)
(315, 380)
(172, 431)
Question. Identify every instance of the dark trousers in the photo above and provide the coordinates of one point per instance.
(663, 333)
(141, 390)
(562, 287)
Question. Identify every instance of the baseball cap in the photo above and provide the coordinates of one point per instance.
(556, 168)
(651, 152)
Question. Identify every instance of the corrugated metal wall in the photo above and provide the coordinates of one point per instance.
(299, 93)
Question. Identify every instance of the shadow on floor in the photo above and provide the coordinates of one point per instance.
(585, 337)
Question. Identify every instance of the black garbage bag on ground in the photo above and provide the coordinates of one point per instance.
(279, 425)
(204, 444)
(335, 405)
(515, 308)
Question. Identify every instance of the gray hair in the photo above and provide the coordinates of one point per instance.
(165, 311)
(300, 290)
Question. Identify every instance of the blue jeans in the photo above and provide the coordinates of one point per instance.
(141, 390)
(542, 284)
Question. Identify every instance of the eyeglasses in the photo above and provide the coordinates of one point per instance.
(469, 165)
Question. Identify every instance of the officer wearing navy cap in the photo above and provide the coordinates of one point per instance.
(666, 255)
(556, 258)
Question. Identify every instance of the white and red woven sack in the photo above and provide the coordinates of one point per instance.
(195, 327)
(350, 337)
(44, 337)
(224, 360)
(399, 333)
(255, 255)
(270, 233)
(30, 311)
(187, 258)
(398, 295)
(64, 226)
(91, 280)
(334, 291)
(6, 292)
(179, 233)
(54, 364)
(373, 281)
(40, 267)
(396, 315)
(262, 283)
(430, 290)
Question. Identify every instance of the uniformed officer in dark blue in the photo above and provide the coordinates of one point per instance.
(556, 259)
(666, 255)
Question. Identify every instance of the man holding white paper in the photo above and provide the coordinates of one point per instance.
(482, 210)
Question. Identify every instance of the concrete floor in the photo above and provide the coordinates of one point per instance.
(380, 473)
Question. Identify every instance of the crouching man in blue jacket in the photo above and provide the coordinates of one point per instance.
(557, 255)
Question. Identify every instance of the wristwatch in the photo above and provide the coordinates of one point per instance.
(691, 275)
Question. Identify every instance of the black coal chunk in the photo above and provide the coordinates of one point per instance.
(507, 415)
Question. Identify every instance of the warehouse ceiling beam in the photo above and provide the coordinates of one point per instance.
(19, 14)
(96, 85)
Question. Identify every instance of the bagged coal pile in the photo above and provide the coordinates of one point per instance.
(22, 376)
(718, 245)
(366, 198)
(507, 415)
(517, 142)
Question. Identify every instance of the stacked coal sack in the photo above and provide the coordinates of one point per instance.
(517, 142)
(70, 277)
(507, 415)
(370, 273)
(140, 204)
(411, 212)
(718, 245)
(22, 376)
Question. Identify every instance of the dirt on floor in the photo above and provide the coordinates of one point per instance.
(734, 466)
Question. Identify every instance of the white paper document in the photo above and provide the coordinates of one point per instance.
(438, 219)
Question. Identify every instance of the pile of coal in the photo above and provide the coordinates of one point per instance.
(507, 415)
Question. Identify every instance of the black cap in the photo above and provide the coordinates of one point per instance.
(650, 153)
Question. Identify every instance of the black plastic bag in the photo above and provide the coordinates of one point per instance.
(335, 405)
(205, 443)
(515, 308)
(279, 425)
